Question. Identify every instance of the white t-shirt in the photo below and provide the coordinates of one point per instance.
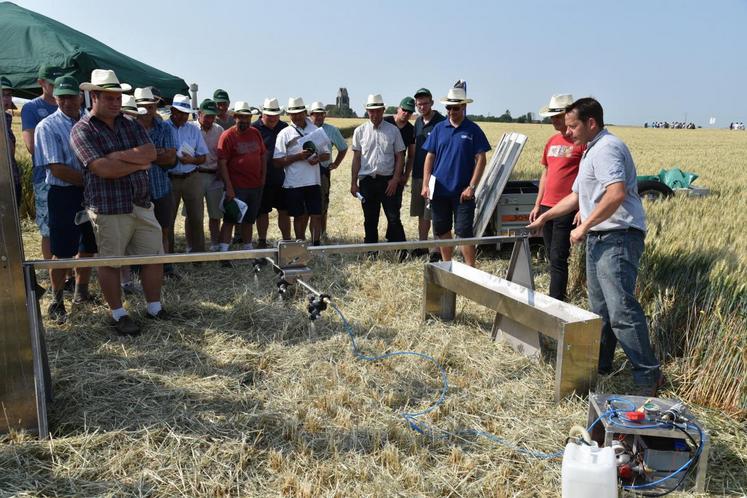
(299, 173)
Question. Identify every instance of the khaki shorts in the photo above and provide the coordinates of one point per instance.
(133, 234)
(213, 187)
(417, 202)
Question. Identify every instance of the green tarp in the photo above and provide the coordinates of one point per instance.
(28, 40)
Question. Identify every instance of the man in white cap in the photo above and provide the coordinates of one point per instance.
(318, 114)
(269, 125)
(560, 158)
(302, 184)
(65, 198)
(117, 153)
(160, 184)
(191, 152)
(378, 160)
(242, 164)
(456, 158)
(613, 225)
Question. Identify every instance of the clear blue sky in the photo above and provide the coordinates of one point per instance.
(644, 60)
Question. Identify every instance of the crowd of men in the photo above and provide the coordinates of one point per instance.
(110, 181)
(675, 125)
(738, 125)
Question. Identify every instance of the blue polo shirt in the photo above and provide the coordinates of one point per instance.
(455, 150)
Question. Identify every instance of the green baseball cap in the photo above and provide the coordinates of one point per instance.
(407, 104)
(208, 107)
(65, 85)
(423, 92)
(221, 95)
(5, 83)
(49, 72)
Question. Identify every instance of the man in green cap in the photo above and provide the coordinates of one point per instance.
(64, 175)
(208, 171)
(402, 121)
(7, 89)
(31, 114)
(224, 119)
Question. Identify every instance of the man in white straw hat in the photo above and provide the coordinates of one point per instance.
(560, 159)
(269, 125)
(456, 158)
(318, 114)
(302, 184)
(117, 154)
(191, 152)
(613, 225)
(378, 160)
(160, 184)
(242, 165)
(130, 108)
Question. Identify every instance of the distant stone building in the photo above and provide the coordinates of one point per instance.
(341, 108)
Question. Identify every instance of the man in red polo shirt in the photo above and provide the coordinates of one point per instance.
(560, 159)
(241, 160)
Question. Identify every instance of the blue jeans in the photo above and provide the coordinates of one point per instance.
(611, 271)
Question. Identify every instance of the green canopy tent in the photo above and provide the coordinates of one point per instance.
(29, 40)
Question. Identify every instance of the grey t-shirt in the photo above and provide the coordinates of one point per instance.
(607, 160)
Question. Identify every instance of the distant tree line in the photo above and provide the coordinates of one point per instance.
(506, 117)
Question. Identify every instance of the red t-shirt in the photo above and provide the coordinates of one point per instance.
(561, 158)
(243, 154)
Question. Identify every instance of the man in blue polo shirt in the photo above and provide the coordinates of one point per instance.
(31, 114)
(456, 158)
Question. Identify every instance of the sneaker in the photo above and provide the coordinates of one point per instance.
(262, 244)
(126, 326)
(237, 240)
(417, 253)
(161, 315)
(434, 257)
(57, 312)
(69, 285)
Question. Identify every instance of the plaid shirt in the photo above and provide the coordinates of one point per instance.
(92, 139)
(162, 138)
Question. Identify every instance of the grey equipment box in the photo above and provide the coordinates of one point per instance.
(514, 205)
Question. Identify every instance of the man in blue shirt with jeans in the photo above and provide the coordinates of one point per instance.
(456, 158)
(613, 224)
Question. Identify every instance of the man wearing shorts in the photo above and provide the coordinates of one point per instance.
(117, 153)
(208, 171)
(241, 159)
(302, 186)
(427, 119)
(456, 157)
(52, 150)
(269, 125)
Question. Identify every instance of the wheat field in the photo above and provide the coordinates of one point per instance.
(239, 396)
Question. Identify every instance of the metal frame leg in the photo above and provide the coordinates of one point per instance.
(438, 302)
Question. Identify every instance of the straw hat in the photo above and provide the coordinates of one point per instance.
(375, 102)
(104, 80)
(295, 105)
(130, 107)
(557, 105)
(144, 96)
(456, 96)
(182, 103)
(317, 107)
(271, 107)
(241, 107)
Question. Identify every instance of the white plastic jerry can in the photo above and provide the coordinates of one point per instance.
(589, 471)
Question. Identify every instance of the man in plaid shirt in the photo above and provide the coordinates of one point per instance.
(117, 153)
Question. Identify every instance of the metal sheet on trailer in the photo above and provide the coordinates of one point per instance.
(495, 177)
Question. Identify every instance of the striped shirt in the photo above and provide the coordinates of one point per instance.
(92, 139)
(52, 146)
(163, 138)
(189, 133)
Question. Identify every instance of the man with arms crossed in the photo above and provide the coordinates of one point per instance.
(117, 154)
(613, 224)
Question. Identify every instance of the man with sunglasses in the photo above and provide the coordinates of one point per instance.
(456, 158)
